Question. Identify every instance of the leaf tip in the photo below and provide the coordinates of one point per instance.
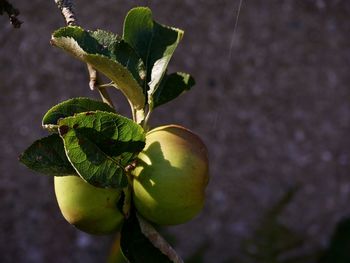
(140, 9)
(52, 41)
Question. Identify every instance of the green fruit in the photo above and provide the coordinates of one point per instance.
(91, 209)
(171, 176)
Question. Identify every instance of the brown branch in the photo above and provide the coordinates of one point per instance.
(94, 84)
(66, 7)
(12, 12)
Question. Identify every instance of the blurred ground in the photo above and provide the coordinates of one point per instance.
(275, 114)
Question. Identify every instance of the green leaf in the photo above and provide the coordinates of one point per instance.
(171, 87)
(100, 145)
(70, 107)
(339, 247)
(141, 243)
(108, 54)
(155, 43)
(47, 156)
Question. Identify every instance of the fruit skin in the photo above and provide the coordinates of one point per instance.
(91, 209)
(171, 176)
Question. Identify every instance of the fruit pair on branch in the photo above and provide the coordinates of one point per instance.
(112, 173)
(168, 185)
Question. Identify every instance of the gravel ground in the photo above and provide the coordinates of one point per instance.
(272, 105)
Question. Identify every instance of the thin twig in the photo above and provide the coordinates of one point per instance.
(105, 96)
(94, 84)
(66, 7)
(12, 12)
(93, 77)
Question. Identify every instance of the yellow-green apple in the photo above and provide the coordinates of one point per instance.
(170, 176)
(91, 209)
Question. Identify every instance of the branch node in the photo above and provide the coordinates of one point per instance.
(93, 83)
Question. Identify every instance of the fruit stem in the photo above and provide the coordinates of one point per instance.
(128, 189)
(127, 201)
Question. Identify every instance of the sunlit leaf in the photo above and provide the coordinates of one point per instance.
(155, 43)
(70, 107)
(108, 54)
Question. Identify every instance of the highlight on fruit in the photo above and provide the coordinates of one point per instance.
(171, 176)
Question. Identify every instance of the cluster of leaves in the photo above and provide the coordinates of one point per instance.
(90, 140)
(136, 63)
(98, 143)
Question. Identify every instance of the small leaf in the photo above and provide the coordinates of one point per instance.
(171, 87)
(155, 43)
(141, 243)
(100, 145)
(70, 107)
(47, 156)
(108, 54)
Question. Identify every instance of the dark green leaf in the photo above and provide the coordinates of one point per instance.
(108, 54)
(47, 156)
(171, 87)
(155, 43)
(339, 247)
(141, 243)
(100, 145)
(70, 107)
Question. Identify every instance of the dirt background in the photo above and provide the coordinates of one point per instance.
(272, 105)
